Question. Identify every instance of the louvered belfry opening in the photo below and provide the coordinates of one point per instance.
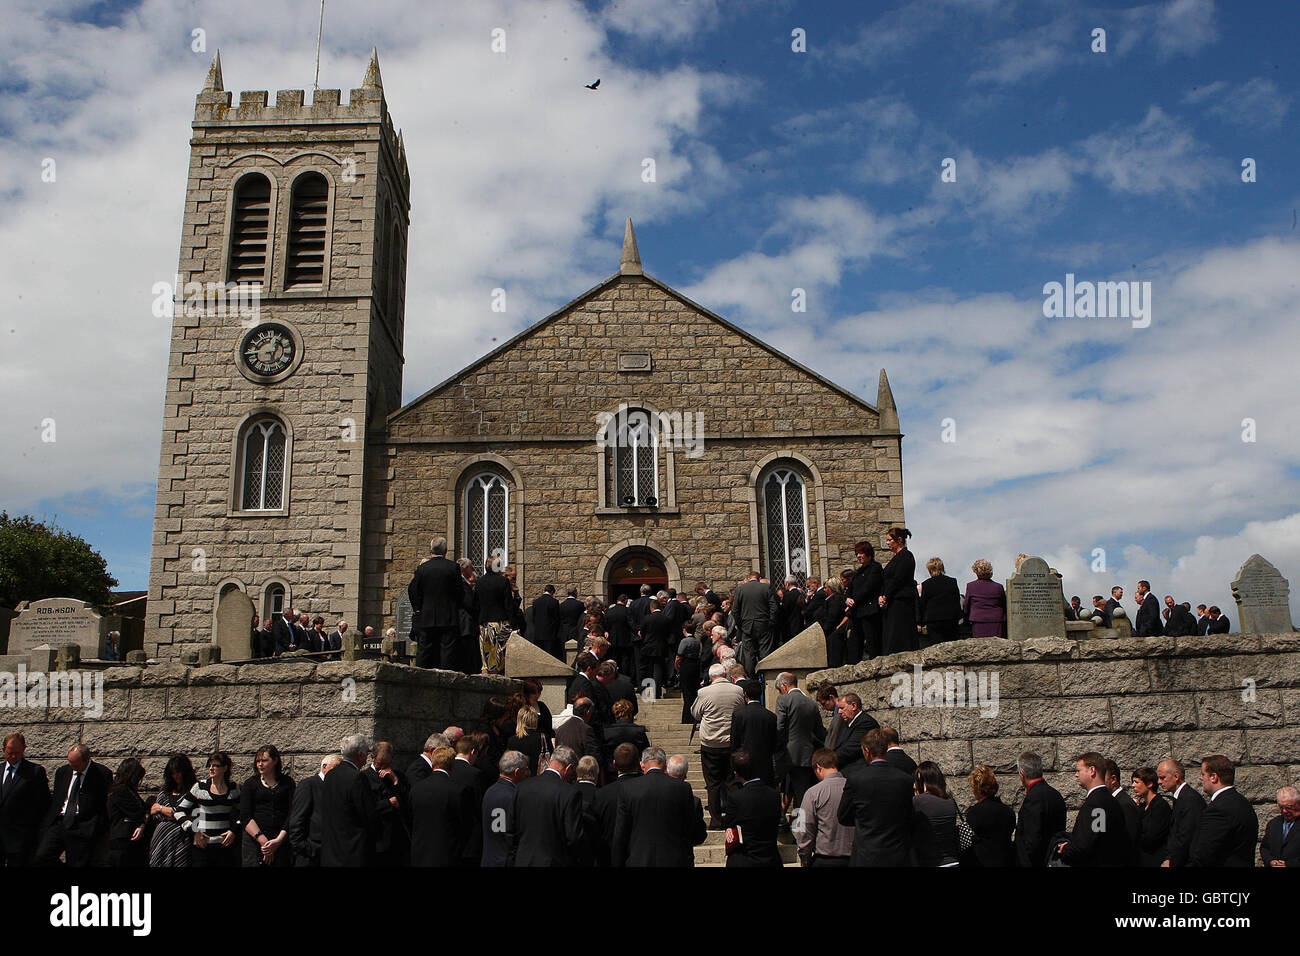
(305, 263)
(249, 231)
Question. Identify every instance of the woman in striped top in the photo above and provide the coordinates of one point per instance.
(211, 809)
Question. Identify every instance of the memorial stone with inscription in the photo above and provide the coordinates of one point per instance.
(404, 617)
(1263, 598)
(1035, 602)
(56, 621)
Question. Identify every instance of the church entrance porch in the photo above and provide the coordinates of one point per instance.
(633, 568)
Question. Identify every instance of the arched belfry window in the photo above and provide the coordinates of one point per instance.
(634, 434)
(487, 520)
(263, 465)
(249, 228)
(308, 222)
(784, 499)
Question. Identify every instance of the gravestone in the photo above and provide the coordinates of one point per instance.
(57, 621)
(1035, 602)
(404, 617)
(1263, 598)
(235, 625)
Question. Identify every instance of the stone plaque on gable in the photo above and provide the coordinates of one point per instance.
(1263, 598)
(1035, 602)
(56, 621)
(404, 617)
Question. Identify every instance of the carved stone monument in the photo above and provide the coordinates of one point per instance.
(234, 626)
(56, 621)
(1263, 598)
(1035, 602)
(405, 615)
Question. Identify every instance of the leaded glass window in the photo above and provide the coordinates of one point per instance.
(785, 521)
(487, 521)
(263, 466)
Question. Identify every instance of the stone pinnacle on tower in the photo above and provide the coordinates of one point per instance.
(214, 82)
(373, 81)
(630, 264)
(885, 405)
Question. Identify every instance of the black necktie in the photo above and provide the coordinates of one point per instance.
(11, 771)
(70, 809)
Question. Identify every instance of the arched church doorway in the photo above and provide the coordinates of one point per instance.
(633, 568)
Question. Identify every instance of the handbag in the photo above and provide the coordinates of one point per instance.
(965, 835)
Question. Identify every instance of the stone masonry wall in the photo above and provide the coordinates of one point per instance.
(1136, 701)
(302, 708)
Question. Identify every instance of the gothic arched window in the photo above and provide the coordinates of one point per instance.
(263, 465)
(487, 520)
(784, 499)
(308, 223)
(249, 229)
(634, 434)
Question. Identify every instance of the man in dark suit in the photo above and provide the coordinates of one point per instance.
(334, 639)
(1099, 609)
(621, 731)
(77, 817)
(1100, 836)
(619, 630)
(548, 815)
(304, 826)
(657, 644)
(896, 756)
(751, 604)
(1128, 807)
(1042, 813)
(1202, 619)
(586, 684)
(1281, 843)
(545, 628)
(1147, 623)
(753, 729)
(857, 722)
(285, 631)
(799, 732)
(1116, 595)
(814, 605)
(349, 819)
(443, 814)
(437, 594)
(24, 799)
(572, 611)
(1188, 807)
(465, 775)
(1180, 623)
(605, 808)
(306, 638)
(420, 768)
(1229, 826)
(877, 803)
(618, 686)
(829, 701)
(498, 817)
(656, 821)
(752, 815)
(1218, 622)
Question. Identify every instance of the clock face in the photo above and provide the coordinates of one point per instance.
(268, 349)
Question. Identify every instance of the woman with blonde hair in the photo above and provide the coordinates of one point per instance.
(991, 821)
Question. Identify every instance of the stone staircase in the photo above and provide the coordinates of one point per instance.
(662, 721)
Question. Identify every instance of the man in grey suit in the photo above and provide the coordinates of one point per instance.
(752, 607)
(800, 732)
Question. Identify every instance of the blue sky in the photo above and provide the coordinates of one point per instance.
(775, 170)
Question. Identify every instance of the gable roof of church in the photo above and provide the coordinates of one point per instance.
(630, 267)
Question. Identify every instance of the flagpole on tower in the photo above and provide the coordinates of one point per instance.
(320, 25)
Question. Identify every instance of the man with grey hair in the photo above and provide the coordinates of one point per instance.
(1042, 814)
(588, 775)
(420, 768)
(1188, 808)
(1281, 843)
(77, 816)
(304, 825)
(658, 819)
(437, 595)
(799, 732)
(712, 709)
(349, 817)
(548, 815)
(499, 808)
(679, 767)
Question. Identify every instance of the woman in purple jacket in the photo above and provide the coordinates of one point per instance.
(985, 603)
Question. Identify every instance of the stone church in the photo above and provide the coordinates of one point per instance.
(631, 437)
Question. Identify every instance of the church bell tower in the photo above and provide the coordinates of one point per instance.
(286, 356)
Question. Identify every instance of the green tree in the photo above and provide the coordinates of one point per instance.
(39, 561)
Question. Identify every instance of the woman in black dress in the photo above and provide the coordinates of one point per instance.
(128, 817)
(265, 800)
(528, 740)
(992, 821)
(1157, 818)
(938, 846)
(836, 621)
(863, 598)
(898, 595)
(687, 663)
